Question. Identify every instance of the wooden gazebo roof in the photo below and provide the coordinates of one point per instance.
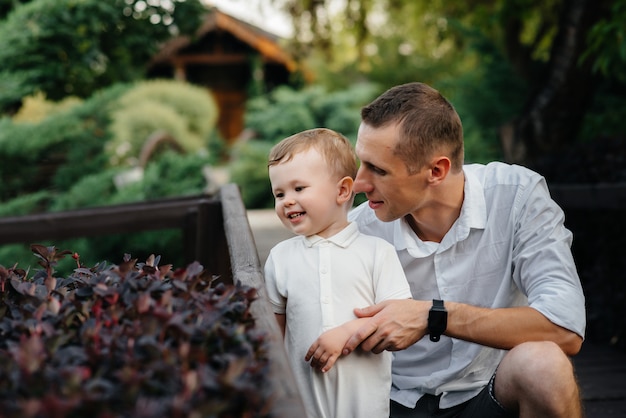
(224, 56)
(267, 44)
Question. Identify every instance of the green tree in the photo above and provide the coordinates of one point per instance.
(8, 5)
(556, 55)
(75, 47)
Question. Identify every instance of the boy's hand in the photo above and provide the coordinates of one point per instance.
(325, 351)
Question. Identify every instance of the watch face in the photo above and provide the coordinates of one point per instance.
(437, 321)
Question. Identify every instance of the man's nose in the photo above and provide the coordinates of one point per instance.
(361, 185)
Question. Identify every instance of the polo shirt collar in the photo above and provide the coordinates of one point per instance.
(342, 239)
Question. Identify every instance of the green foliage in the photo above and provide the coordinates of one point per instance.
(186, 112)
(340, 109)
(26, 204)
(59, 151)
(607, 43)
(175, 175)
(280, 113)
(13, 86)
(54, 152)
(486, 98)
(606, 115)
(35, 108)
(194, 103)
(170, 175)
(248, 170)
(59, 164)
(134, 339)
(6, 6)
(96, 189)
(76, 47)
(133, 126)
(286, 111)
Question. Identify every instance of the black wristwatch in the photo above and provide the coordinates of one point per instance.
(437, 320)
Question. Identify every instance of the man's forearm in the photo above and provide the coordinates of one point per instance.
(507, 327)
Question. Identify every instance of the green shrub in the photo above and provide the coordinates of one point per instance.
(281, 113)
(175, 174)
(341, 110)
(194, 103)
(248, 170)
(35, 108)
(286, 111)
(132, 126)
(53, 153)
(26, 204)
(95, 189)
(186, 112)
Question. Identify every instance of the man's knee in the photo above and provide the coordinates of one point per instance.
(534, 371)
(543, 358)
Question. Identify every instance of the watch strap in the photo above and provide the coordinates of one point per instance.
(437, 320)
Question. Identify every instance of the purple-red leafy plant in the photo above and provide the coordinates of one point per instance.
(128, 340)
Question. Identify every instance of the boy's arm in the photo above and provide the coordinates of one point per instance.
(325, 351)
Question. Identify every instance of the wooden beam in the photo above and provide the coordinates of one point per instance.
(181, 60)
(133, 217)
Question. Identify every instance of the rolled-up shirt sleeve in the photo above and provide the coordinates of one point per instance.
(543, 266)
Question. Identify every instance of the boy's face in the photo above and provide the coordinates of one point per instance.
(307, 195)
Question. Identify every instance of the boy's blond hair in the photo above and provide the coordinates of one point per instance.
(334, 148)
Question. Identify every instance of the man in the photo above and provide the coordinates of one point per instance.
(488, 259)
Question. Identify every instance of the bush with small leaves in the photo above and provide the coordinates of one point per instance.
(134, 339)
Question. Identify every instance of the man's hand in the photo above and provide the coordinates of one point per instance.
(393, 325)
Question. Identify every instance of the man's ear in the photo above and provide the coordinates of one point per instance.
(344, 189)
(439, 169)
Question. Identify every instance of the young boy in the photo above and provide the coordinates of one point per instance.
(316, 279)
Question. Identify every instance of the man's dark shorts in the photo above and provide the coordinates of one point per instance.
(483, 405)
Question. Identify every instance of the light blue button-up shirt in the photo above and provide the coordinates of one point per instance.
(508, 247)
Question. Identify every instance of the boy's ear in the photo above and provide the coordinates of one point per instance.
(344, 189)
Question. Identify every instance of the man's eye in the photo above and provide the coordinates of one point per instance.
(378, 171)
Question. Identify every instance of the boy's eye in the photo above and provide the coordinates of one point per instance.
(279, 195)
(299, 189)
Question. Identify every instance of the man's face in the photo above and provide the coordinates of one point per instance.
(391, 190)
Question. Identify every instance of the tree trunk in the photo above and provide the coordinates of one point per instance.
(555, 109)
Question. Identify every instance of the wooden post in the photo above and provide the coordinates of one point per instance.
(246, 269)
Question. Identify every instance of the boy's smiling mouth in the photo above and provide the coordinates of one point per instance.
(294, 215)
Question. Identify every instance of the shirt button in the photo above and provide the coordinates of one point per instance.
(323, 270)
(325, 300)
